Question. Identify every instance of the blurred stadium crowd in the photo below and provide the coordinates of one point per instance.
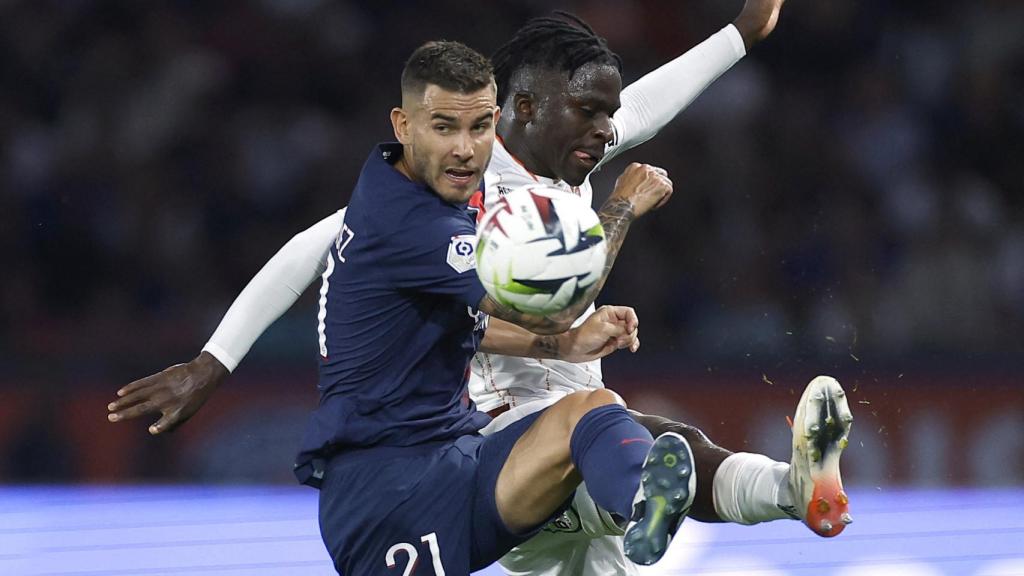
(853, 188)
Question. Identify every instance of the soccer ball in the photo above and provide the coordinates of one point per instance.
(539, 249)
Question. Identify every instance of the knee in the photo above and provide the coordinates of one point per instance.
(584, 402)
(600, 397)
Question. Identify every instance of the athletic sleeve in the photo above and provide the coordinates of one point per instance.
(654, 100)
(273, 290)
(439, 257)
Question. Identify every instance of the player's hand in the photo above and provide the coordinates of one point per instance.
(757, 20)
(176, 393)
(608, 329)
(646, 187)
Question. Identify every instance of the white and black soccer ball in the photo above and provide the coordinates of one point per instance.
(539, 249)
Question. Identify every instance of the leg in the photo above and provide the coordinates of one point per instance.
(731, 487)
(583, 540)
(548, 554)
(590, 435)
(707, 457)
(750, 488)
(539, 474)
(606, 555)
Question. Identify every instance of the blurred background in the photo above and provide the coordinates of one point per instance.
(849, 200)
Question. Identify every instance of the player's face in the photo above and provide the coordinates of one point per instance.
(572, 120)
(448, 138)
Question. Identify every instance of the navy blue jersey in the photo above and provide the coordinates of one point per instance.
(398, 319)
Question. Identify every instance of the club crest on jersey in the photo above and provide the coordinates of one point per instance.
(462, 253)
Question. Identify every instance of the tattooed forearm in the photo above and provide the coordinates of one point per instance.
(616, 216)
(547, 346)
(508, 338)
(532, 322)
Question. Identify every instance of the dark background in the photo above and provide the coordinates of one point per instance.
(848, 201)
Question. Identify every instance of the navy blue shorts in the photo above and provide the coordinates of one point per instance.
(430, 507)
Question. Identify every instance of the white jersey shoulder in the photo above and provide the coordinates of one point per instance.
(497, 380)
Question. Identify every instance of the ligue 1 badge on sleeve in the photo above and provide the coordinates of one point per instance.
(462, 253)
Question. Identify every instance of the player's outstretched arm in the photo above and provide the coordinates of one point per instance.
(609, 329)
(654, 100)
(176, 393)
(179, 391)
(274, 289)
(640, 189)
(757, 20)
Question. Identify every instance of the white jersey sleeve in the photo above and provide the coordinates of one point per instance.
(273, 290)
(654, 100)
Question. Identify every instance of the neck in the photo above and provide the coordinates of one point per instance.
(514, 139)
(404, 169)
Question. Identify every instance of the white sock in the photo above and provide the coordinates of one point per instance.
(751, 488)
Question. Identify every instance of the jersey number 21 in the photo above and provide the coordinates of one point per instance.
(435, 555)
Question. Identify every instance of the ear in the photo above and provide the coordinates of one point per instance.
(400, 123)
(523, 107)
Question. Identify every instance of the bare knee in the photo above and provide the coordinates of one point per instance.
(585, 401)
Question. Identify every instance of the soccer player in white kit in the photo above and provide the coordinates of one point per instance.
(545, 95)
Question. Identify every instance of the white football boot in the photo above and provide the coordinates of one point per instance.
(821, 429)
(668, 484)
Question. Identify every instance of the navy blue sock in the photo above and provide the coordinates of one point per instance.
(608, 448)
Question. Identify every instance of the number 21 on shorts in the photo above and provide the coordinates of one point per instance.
(410, 550)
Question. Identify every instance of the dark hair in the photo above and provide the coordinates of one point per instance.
(561, 42)
(450, 65)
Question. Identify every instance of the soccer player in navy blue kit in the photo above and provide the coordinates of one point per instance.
(393, 445)
(537, 69)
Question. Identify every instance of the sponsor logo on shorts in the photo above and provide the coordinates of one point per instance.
(569, 521)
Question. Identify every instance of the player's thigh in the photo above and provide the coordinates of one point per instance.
(554, 552)
(606, 555)
(599, 556)
(389, 515)
(538, 475)
(547, 554)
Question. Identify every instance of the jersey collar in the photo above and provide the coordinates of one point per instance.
(381, 168)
